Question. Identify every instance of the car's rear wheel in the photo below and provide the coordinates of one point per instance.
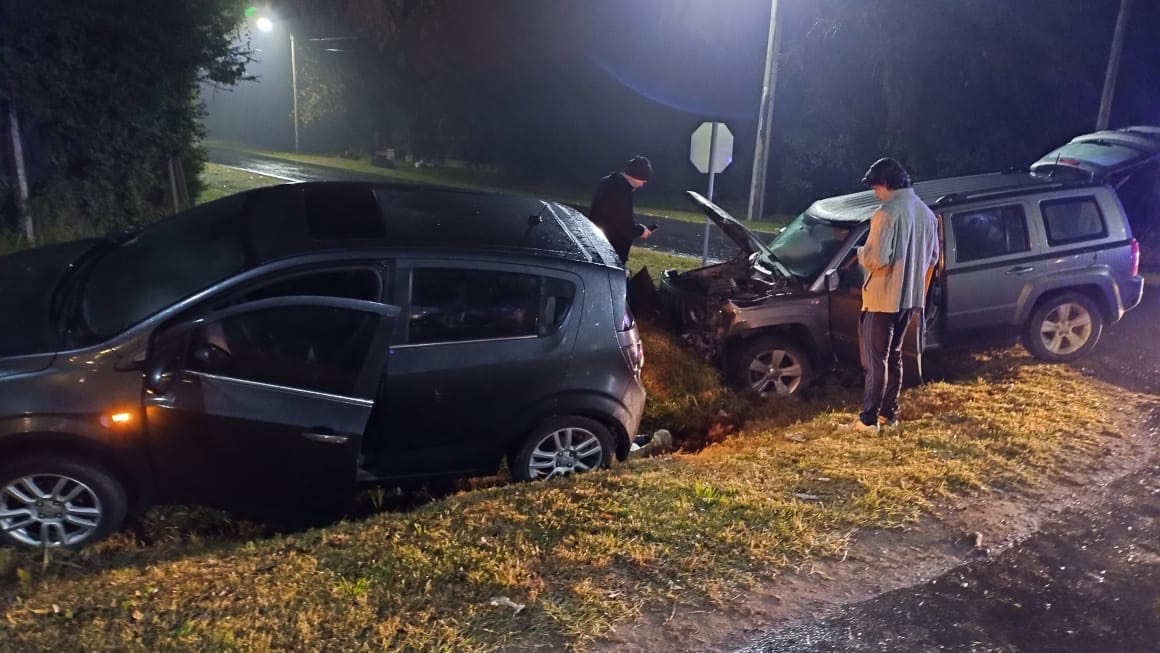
(771, 366)
(58, 503)
(562, 446)
(1063, 328)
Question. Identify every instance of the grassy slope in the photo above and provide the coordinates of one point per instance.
(580, 553)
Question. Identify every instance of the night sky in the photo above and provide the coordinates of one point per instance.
(598, 80)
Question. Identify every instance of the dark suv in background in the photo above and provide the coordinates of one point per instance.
(1047, 256)
(280, 347)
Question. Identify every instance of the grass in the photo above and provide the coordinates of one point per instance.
(580, 554)
(221, 181)
(480, 180)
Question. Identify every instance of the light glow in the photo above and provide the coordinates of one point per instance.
(265, 24)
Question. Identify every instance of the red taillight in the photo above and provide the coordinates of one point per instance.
(1135, 258)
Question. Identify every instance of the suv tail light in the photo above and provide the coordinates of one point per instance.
(1135, 258)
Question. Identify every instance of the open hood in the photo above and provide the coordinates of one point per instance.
(748, 241)
(1103, 154)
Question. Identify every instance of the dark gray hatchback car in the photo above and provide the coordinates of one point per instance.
(273, 350)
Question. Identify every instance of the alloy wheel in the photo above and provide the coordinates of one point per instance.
(49, 510)
(1066, 328)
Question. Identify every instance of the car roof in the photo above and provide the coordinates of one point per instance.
(858, 207)
(291, 219)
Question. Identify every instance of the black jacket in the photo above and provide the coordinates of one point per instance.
(612, 212)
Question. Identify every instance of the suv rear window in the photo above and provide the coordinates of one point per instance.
(1073, 220)
(990, 232)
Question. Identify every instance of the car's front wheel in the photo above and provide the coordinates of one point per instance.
(771, 366)
(562, 446)
(1063, 328)
(58, 503)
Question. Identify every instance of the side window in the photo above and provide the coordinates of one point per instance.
(990, 232)
(344, 284)
(450, 305)
(307, 347)
(1073, 220)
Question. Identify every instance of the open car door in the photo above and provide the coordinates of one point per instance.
(262, 406)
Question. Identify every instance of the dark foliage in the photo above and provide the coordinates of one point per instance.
(106, 96)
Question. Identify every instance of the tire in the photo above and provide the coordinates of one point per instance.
(562, 446)
(774, 364)
(1063, 328)
(58, 503)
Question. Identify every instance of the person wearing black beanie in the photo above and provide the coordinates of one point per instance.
(612, 208)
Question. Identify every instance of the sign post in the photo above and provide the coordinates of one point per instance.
(711, 151)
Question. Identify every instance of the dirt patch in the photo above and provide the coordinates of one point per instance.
(878, 561)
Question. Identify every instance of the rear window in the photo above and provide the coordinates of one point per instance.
(455, 305)
(1073, 220)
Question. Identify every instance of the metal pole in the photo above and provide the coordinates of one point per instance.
(712, 175)
(21, 174)
(764, 118)
(294, 87)
(1113, 66)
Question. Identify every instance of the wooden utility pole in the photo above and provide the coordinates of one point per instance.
(21, 176)
(1113, 65)
(764, 119)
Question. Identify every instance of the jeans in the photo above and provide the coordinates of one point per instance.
(880, 344)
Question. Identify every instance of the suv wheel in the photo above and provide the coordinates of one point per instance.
(770, 365)
(58, 503)
(1063, 328)
(563, 446)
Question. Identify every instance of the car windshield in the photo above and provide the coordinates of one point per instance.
(163, 264)
(807, 244)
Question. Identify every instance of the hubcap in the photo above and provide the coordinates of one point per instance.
(48, 510)
(775, 370)
(1066, 329)
(566, 451)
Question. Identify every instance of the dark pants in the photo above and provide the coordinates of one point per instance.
(880, 341)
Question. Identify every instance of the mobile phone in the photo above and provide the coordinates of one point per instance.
(653, 227)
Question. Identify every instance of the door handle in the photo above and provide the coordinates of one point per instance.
(326, 438)
(1021, 269)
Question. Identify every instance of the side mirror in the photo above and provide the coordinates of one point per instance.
(159, 379)
(832, 280)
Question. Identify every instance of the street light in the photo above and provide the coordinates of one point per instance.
(265, 24)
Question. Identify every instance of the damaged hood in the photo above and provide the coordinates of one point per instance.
(748, 241)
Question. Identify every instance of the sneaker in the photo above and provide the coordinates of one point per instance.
(859, 426)
(885, 422)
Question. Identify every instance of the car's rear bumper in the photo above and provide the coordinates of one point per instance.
(1131, 292)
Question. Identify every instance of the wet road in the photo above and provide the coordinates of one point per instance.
(673, 236)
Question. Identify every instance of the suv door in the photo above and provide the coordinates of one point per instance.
(845, 282)
(990, 261)
(264, 404)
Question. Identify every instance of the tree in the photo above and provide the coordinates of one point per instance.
(106, 92)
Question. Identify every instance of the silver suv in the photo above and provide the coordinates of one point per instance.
(1046, 256)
